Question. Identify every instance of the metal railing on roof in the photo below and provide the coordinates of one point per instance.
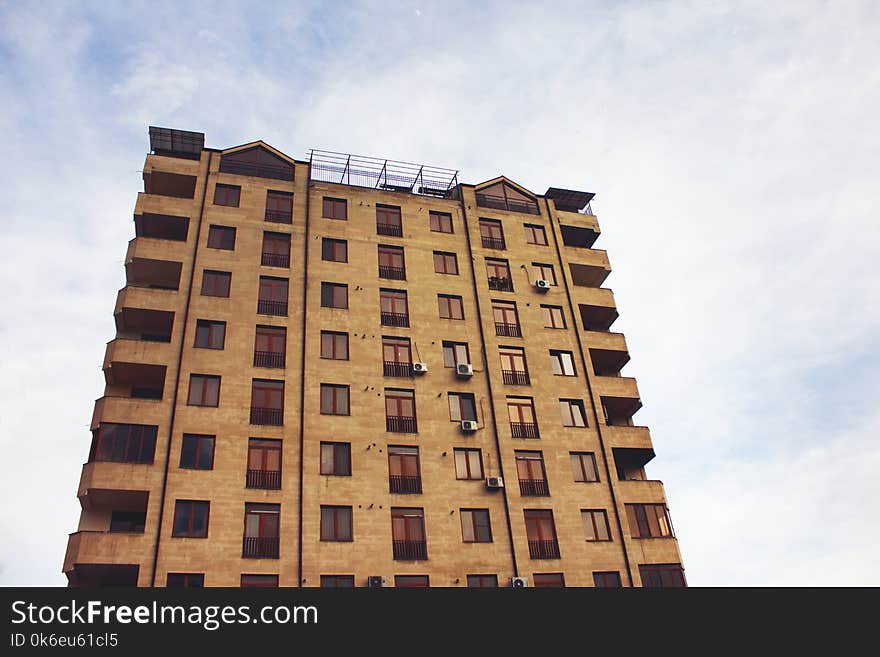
(378, 173)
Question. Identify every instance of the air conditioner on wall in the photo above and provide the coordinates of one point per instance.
(420, 368)
(464, 370)
(468, 425)
(377, 581)
(519, 582)
(494, 482)
(542, 285)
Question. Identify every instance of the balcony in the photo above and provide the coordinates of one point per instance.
(154, 307)
(279, 216)
(273, 359)
(496, 243)
(395, 319)
(128, 410)
(630, 462)
(400, 424)
(619, 410)
(267, 417)
(139, 380)
(544, 549)
(275, 260)
(392, 230)
(392, 368)
(617, 386)
(499, 284)
(628, 437)
(533, 488)
(259, 547)
(643, 491)
(410, 550)
(590, 274)
(165, 183)
(99, 476)
(257, 163)
(263, 479)
(99, 558)
(524, 430)
(508, 330)
(497, 202)
(127, 350)
(161, 226)
(608, 362)
(596, 308)
(579, 237)
(393, 273)
(152, 273)
(405, 484)
(267, 307)
(515, 378)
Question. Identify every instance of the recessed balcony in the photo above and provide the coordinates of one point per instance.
(642, 491)
(150, 273)
(99, 558)
(144, 298)
(138, 380)
(161, 226)
(128, 410)
(144, 324)
(608, 362)
(630, 462)
(628, 437)
(166, 183)
(109, 475)
(581, 237)
(127, 350)
(617, 386)
(620, 410)
(150, 249)
(596, 308)
(98, 575)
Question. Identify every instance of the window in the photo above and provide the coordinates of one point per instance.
(197, 452)
(185, 580)
(336, 523)
(455, 353)
(210, 334)
(503, 196)
(506, 319)
(475, 527)
(583, 466)
(191, 519)
(411, 581)
(204, 390)
(541, 533)
(541, 271)
(334, 250)
(334, 345)
(549, 580)
(393, 308)
(482, 581)
(649, 521)
(662, 575)
(396, 357)
(498, 272)
(451, 306)
(607, 580)
(267, 402)
(388, 221)
(404, 473)
(535, 234)
(400, 411)
(128, 522)
(336, 459)
(391, 264)
(531, 474)
(573, 414)
(468, 463)
(462, 406)
(276, 250)
(259, 581)
(335, 208)
(334, 399)
(553, 317)
(441, 222)
(408, 533)
(492, 234)
(216, 283)
(261, 523)
(279, 207)
(513, 366)
(445, 263)
(337, 581)
(521, 412)
(270, 346)
(227, 195)
(124, 443)
(595, 524)
(264, 464)
(334, 295)
(273, 296)
(563, 362)
(221, 237)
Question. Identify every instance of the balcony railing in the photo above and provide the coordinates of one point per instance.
(273, 417)
(269, 359)
(400, 424)
(524, 430)
(515, 378)
(500, 284)
(493, 243)
(544, 549)
(265, 479)
(276, 260)
(395, 319)
(503, 203)
(397, 369)
(256, 547)
(265, 307)
(279, 216)
(258, 170)
(405, 484)
(508, 330)
(395, 273)
(410, 550)
(394, 230)
(533, 488)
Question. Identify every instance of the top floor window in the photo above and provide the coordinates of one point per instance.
(335, 208)
(279, 207)
(229, 195)
(221, 237)
(441, 222)
(492, 234)
(388, 221)
(535, 234)
(504, 196)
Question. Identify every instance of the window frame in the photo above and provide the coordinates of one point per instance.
(540, 271)
(334, 204)
(450, 306)
(439, 216)
(203, 379)
(598, 521)
(336, 447)
(212, 326)
(445, 258)
(219, 243)
(466, 453)
(193, 505)
(334, 290)
(569, 405)
(334, 250)
(532, 230)
(339, 528)
(455, 346)
(228, 194)
(214, 281)
(558, 361)
(200, 440)
(579, 469)
(551, 316)
(469, 523)
(461, 400)
(334, 336)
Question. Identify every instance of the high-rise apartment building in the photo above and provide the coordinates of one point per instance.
(354, 372)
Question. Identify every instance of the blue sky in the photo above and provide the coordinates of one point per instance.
(735, 156)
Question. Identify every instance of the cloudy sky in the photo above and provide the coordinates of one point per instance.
(733, 147)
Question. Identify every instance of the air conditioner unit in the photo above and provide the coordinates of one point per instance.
(542, 285)
(494, 482)
(519, 582)
(464, 370)
(468, 425)
(377, 581)
(420, 368)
